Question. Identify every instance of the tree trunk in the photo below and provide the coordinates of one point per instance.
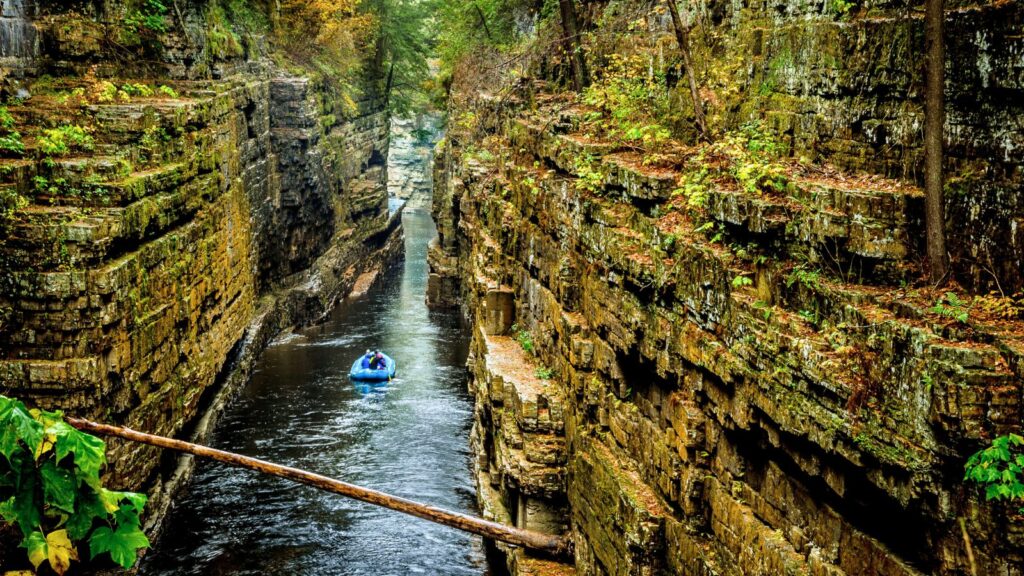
(683, 38)
(483, 21)
(934, 119)
(390, 84)
(570, 29)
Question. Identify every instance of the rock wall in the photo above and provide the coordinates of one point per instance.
(411, 158)
(674, 420)
(841, 83)
(690, 391)
(152, 268)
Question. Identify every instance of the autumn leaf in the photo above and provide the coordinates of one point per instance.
(50, 481)
(45, 445)
(60, 551)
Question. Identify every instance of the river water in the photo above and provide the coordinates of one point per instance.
(408, 438)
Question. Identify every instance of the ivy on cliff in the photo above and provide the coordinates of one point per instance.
(50, 490)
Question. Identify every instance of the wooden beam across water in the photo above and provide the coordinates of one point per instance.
(548, 543)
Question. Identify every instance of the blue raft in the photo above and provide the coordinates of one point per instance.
(371, 375)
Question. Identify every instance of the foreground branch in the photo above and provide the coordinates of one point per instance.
(556, 545)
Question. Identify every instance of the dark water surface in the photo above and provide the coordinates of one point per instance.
(409, 438)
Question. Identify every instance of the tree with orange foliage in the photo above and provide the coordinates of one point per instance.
(313, 28)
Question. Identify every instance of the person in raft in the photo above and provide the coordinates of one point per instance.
(367, 358)
(378, 362)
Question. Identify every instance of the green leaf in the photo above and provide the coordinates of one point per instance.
(125, 506)
(992, 492)
(35, 543)
(8, 511)
(122, 544)
(59, 486)
(88, 508)
(26, 506)
(87, 449)
(17, 424)
(126, 515)
(137, 500)
(1017, 490)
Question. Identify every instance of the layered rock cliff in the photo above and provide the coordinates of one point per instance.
(691, 375)
(210, 199)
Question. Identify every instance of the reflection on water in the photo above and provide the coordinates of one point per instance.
(408, 437)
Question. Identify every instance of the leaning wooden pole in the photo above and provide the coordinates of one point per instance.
(555, 545)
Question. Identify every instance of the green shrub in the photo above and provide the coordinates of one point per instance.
(740, 281)
(148, 17)
(62, 140)
(951, 306)
(629, 104)
(153, 142)
(50, 490)
(89, 189)
(137, 90)
(523, 337)
(6, 120)
(999, 469)
(104, 91)
(10, 203)
(753, 153)
(10, 139)
(167, 91)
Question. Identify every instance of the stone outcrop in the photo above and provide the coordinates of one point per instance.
(673, 419)
(411, 158)
(148, 272)
(745, 388)
(841, 82)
